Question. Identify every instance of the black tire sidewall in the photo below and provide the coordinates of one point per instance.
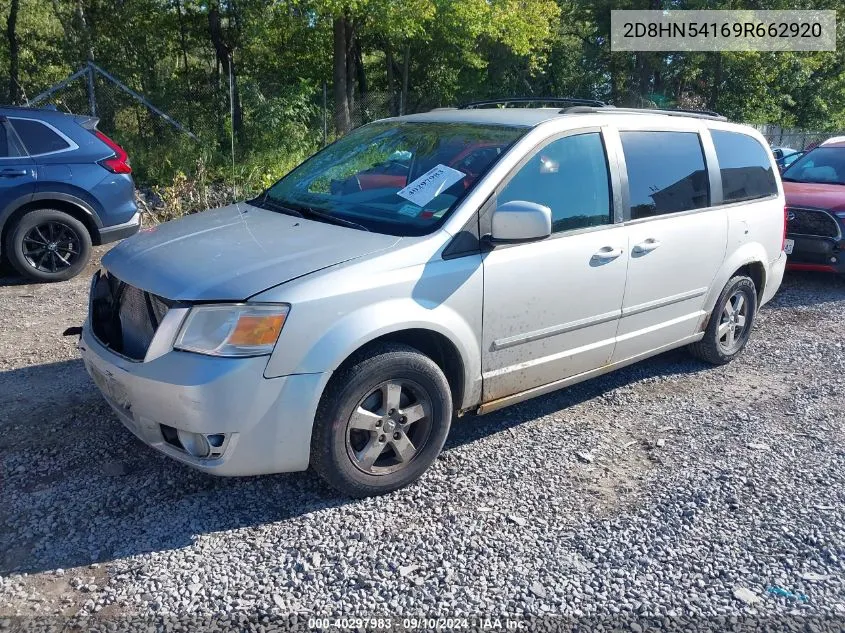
(750, 292)
(329, 454)
(14, 244)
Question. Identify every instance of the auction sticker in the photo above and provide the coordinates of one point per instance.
(430, 185)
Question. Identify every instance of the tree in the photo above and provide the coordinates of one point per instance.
(14, 54)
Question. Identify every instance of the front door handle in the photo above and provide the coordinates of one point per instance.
(646, 247)
(607, 253)
(12, 173)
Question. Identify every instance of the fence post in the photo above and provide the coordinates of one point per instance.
(325, 114)
(92, 99)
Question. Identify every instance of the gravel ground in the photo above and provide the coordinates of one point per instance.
(669, 489)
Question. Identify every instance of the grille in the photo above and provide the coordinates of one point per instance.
(125, 318)
(811, 222)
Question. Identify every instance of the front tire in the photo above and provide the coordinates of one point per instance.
(48, 245)
(730, 323)
(382, 421)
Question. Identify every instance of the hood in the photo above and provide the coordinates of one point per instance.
(815, 195)
(232, 253)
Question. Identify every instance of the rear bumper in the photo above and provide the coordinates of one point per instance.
(824, 254)
(774, 278)
(266, 422)
(120, 231)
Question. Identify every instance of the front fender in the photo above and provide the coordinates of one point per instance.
(444, 297)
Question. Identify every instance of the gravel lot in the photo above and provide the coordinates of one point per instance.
(668, 489)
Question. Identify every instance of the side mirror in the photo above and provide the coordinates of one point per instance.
(778, 153)
(520, 221)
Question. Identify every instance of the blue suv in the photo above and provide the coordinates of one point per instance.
(64, 186)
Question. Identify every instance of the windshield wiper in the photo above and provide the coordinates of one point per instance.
(268, 203)
(308, 212)
(302, 211)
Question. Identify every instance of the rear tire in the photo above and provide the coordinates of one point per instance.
(730, 323)
(48, 245)
(382, 421)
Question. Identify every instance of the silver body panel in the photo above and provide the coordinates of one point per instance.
(524, 319)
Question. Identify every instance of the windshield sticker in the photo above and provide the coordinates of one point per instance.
(430, 185)
(408, 209)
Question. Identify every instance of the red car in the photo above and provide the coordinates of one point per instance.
(815, 209)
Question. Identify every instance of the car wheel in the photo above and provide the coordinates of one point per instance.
(382, 421)
(730, 323)
(48, 245)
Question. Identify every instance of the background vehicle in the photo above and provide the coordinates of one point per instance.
(814, 187)
(343, 327)
(785, 156)
(63, 187)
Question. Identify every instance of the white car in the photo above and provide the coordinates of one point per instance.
(429, 266)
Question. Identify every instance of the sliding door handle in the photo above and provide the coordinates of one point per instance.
(607, 253)
(646, 247)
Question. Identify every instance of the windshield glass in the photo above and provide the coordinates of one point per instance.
(391, 177)
(821, 165)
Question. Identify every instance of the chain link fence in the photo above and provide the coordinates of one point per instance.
(202, 150)
(794, 138)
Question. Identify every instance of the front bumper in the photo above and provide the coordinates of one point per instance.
(267, 422)
(825, 254)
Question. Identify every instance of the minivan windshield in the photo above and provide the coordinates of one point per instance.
(399, 178)
(823, 165)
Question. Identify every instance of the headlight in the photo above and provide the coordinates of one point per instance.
(232, 329)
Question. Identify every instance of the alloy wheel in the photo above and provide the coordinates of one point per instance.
(389, 427)
(51, 247)
(733, 322)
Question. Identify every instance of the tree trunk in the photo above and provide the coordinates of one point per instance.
(12, 34)
(87, 40)
(184, 41)
(391, 91)
(226, 61)
(360, 71)
(713, 97)
(350, 73)
(405, 65)
(341, 99)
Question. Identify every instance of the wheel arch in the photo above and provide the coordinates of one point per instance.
(437, 346)
(77, 210)
(748, 260)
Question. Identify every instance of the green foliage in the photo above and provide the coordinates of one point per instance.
(422, 53)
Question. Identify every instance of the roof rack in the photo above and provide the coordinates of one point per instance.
(569, 101)
(609, 109)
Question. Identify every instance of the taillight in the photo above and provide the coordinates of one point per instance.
(117, 164)
(783, 241)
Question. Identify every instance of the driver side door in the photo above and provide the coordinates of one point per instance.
(551, 307)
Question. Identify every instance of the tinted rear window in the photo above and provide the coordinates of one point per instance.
(666, 172)
(37, 137)
(744, 166)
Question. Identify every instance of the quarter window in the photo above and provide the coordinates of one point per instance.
(37, 137)
(744, 165)
(666, 172)
(9, 147)
(570, 177)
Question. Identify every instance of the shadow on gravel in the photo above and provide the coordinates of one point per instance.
(77, 488)
(472, 428)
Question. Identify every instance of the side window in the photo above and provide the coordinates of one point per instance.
(570, 177)
(666, 172)
(744, 166)
(9, 146)
(37, 137)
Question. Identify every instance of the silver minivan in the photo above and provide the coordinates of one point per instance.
(428, 266)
